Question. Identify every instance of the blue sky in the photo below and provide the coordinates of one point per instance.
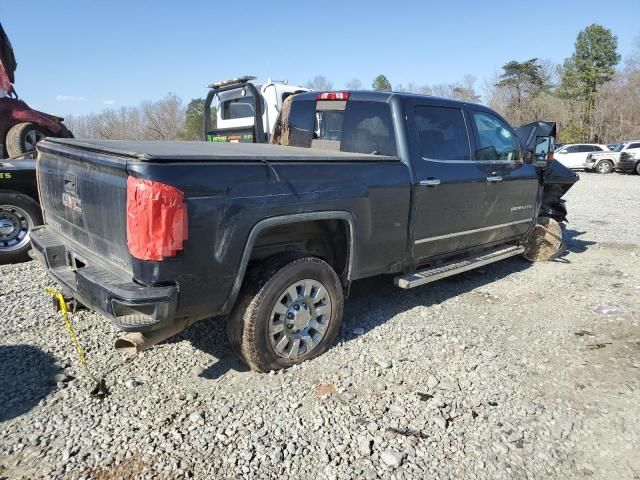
(85, 56)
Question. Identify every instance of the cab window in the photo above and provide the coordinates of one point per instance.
(442, 133)
(496, 140)
(346, 126)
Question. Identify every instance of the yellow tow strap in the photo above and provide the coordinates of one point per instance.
(100, 390)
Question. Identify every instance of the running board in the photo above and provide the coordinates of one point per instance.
(436, 273)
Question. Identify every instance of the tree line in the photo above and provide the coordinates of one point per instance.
(591, 95)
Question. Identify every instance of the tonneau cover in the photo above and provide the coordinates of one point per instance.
(164, 151)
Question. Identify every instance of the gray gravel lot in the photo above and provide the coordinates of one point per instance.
(505, 372)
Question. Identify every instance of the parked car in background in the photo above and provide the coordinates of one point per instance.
(21, 127)
(630, 158)
(19, 208)
(606, 162)
(573, 156)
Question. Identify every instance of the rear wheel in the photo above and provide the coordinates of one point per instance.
(604, 166)
(18, 215)
(638, 168)
(289, 311)
(23, 138)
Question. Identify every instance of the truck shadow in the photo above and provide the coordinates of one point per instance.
(210, 336)
(574, 243)
(27, 375)
(372, 302)
(376, 300)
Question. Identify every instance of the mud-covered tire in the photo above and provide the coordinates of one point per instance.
(604, 166)
(545, 241)
(251, 321)
(17, 213)
(23, 137)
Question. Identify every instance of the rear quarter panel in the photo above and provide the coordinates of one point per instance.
(226, 201)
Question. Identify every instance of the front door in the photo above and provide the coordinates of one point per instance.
(449, 186)
(512, 185)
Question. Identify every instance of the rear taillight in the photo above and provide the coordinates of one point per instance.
(333, 96)
(156, 219)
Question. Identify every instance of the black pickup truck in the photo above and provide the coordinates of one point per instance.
(158, 235)
(19, 208)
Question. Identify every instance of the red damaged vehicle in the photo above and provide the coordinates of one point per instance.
(21, 127)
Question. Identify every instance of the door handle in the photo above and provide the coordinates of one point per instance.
(430, 182)
(494, 179)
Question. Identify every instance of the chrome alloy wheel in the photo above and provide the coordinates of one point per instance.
(32, 138)
(299, 319)
(15, 225)
(604, 167)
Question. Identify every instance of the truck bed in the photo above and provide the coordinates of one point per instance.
(198, 151)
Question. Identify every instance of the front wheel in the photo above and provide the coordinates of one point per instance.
(288, 311)
(604, 166)
(18, 215)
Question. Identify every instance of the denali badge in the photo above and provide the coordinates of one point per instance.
(74, 203)
(521, 207)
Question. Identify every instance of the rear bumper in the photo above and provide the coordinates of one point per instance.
(130, 306)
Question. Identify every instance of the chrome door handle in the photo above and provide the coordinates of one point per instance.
(497, 178)
(431, 182)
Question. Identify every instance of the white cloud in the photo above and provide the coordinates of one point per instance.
(109, 102)
(69, 98)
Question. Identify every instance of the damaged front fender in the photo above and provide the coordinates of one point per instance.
(557, 180)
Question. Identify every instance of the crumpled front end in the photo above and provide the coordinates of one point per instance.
(557, 180)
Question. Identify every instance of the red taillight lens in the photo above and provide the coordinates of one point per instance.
(333, 96)
(156, 219)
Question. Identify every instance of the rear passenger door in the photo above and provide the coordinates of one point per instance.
(449, 187)
(512, 185)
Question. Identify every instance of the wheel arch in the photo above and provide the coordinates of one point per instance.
(342, 216)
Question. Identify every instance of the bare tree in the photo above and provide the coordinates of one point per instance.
(319, 82)
(354, 84)
(159, 120)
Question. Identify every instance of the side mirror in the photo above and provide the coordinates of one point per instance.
(544, 151)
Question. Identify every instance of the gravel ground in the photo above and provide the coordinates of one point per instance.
(505, 372)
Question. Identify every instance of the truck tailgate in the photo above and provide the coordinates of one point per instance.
(84, 197)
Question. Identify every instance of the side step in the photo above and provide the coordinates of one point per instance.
(441, 271)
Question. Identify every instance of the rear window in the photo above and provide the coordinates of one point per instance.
(237, 108)
(346, 126)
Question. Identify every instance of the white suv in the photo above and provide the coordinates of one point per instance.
(621, 158)
(574, 155)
